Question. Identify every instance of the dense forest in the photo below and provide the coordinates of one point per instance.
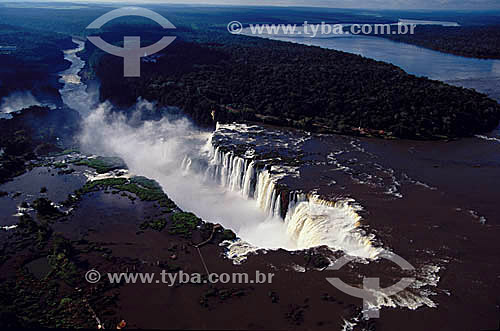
(470, 41)
(212, 75)
(234, 78)
(33, 63)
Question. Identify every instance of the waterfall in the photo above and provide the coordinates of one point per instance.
(247, 180)
(186, 164)
(310, 221)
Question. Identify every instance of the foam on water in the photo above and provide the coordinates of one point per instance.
(487, 138)
(306, 219)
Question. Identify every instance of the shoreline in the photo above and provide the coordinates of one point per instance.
(410, 192)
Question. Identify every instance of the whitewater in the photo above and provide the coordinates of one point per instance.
(216, 185)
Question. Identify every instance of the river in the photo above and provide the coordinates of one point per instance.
(218, 190)
(156, 148)
(433, 203)
(480, 74)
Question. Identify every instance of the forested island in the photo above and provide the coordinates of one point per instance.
(469, 41)
(214, 76)
(234, 78)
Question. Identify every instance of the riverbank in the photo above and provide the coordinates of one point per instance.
(431, 202)
(338, 92)
(354, 194)
(47, 256)
(479, 74)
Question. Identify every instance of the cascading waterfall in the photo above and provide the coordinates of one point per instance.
(310, 221)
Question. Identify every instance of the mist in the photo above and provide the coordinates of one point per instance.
(17, 101)
(199, 179)
(155, 149)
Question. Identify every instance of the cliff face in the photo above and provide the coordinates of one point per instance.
(308, 219)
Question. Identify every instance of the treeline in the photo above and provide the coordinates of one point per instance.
(34, 63)
(227, 78)
(470, 41)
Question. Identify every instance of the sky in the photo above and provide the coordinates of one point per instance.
(375, 4)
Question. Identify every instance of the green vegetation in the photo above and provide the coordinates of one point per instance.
(65, 301)
(96, 185)
(157, 224)
(27, 227)
(470, 41)
(52, 294)
(251, 79)
(228, 235)
(30, 303)
(146, 182)
(103, 164)
(168, 204)
(45, 209)
(141, 187)
(142, 193)
(61, 259)
(33, 64)
(183, 224)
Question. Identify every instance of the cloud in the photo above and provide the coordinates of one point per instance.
(371, 4)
